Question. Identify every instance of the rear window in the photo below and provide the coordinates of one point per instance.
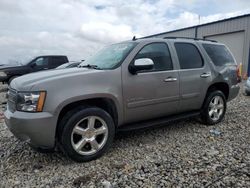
(219, 54)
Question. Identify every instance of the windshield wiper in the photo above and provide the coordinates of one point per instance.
(90, 66)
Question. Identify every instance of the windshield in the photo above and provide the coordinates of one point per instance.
(25, 61)
(111, 56)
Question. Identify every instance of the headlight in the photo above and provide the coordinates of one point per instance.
(3, 74)
(31, 101)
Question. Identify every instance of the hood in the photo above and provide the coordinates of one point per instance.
(8, 66)
(26, 82)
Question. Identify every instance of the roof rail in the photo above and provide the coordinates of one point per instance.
(189, 38)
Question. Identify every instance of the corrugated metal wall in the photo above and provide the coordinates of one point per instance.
(224, 27)
(182, 33)
(240, 24)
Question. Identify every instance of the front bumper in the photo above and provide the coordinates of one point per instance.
(4, 78)
(247, 88)
(233, 92)
(38, 129)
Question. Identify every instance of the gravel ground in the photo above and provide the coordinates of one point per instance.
(181, 154)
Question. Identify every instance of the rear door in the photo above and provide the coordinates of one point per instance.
(195, 75)
(151, 93)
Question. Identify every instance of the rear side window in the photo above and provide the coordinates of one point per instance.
(219, 54)
(56, 61)
(188, 55)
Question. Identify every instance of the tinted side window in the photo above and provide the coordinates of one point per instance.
(56, 61)
(219, 54)
(159, 54)
(188, 55)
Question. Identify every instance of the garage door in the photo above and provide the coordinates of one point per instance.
(234, 42)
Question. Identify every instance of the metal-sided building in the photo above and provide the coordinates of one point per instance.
(234, 32)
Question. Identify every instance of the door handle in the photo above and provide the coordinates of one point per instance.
(205, 75)
(170, 79)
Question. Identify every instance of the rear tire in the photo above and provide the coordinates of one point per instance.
(87, 134)
(214, 108)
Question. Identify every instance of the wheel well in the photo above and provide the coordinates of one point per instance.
(11, 77)
(220, 86)
(104, 103)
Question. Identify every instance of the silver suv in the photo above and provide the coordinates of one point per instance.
(129, 85)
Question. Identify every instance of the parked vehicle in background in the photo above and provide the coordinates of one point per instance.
(9, 72)
(247, 86)
(68, 65)
(129, 85)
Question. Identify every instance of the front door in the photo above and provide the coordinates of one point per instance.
(40, 63)
(151, 93)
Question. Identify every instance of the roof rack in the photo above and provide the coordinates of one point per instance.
(190, 38)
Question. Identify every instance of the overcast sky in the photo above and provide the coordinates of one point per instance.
(78, 28)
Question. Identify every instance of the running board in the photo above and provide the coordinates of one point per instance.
(157, 122)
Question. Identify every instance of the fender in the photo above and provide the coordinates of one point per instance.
(89, 97)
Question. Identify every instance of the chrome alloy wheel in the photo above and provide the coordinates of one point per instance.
(216, 108)
(89, 135)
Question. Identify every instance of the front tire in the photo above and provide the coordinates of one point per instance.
(87, 134)
(214, 108)
(247, 92)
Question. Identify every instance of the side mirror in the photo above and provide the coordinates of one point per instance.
(33, 65)
(140, 65)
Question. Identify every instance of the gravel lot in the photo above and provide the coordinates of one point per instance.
(181, 154)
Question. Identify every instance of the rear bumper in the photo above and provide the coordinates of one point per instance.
(233, 92)
(38, 129)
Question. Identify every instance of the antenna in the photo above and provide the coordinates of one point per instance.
(134, 38)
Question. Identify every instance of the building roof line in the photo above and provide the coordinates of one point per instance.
(196, 26)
